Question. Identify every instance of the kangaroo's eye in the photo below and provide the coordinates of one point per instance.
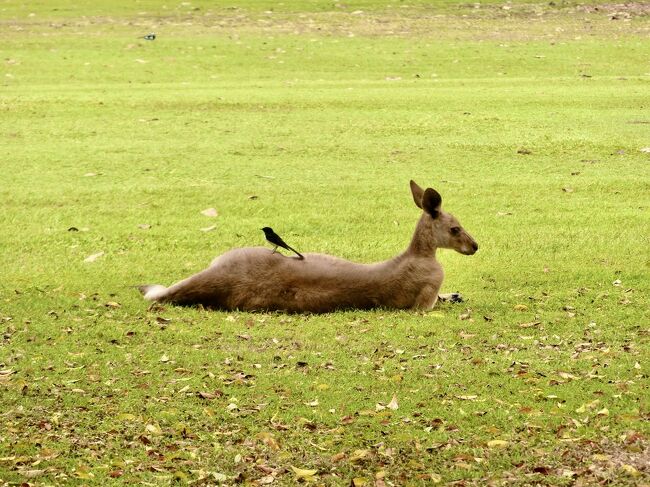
(454, 230)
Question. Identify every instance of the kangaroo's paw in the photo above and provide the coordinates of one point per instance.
(451, 298)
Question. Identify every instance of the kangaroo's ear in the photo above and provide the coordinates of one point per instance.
(431, 202)
(417, 193)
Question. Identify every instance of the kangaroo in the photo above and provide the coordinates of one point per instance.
(257, 279)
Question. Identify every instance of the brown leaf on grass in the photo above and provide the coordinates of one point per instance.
(208, 229)
(337, 457)
(144, 226)
(210, 395)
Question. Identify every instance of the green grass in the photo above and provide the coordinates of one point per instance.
(529, 121)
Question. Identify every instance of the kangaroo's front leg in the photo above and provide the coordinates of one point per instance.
(427, 298)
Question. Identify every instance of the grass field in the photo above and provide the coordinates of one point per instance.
(532, 121)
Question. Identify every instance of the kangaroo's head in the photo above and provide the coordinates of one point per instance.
(438, 228)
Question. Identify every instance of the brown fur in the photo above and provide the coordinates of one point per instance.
(256, 279)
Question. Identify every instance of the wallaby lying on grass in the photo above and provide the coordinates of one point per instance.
(257, 279)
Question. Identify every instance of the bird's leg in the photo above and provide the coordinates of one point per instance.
(274, 249)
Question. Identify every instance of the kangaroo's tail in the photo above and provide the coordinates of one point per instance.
(153, 292)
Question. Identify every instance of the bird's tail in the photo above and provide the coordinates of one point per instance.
(300, 256)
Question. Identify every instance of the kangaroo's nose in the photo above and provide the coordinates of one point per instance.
(475, 246)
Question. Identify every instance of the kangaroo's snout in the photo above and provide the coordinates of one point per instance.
(470, 248)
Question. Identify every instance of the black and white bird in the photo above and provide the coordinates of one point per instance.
(150, 37)
(275, 239)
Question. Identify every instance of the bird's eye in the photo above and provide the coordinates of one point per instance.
(454, 230)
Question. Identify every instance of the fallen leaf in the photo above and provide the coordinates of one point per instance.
(630, 470)
(359, 482)
(93, 257)
(126, 417)
(211, 212)
(154, 429)
(210, 395)
(497, 444)
(467, 398)
(566, 375)
(164, 358)
(269, 440)
(303, 473)
(358, 455)
(393, 403)
(645, 149)
(520, 307)
(31, 473)
(434, 478)
(144, 226)
(208, 229)
(529, 325)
